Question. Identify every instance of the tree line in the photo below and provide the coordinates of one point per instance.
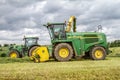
(115, 43)
(6, 45)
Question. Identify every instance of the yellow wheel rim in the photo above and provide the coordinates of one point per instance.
(64, 52)
(13, 55)
(98, 53)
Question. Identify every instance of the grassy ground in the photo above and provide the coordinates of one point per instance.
(108, 69)
(24, 69)
(115, 51)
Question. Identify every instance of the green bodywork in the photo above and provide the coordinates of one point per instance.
(23, 49)
(82, 42)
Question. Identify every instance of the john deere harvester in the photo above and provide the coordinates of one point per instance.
(18, 51)
(68, 44)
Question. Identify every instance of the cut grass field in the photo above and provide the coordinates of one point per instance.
(108, 69)
(83, 69)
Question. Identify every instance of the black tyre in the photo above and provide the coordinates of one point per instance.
(30, 51)
(14, 54)
(63, 52)
(98, 53)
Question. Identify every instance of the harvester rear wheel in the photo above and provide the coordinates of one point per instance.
(98, 53)
(30, 51)
(63, 52)
(14, 54)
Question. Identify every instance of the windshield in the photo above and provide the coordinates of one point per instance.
(57, 31)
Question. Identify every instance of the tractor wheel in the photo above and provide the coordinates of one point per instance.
(14, 54)
(63, 52)
(98, 53)
(30, 52)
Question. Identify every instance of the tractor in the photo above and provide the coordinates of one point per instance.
(68, 44)
(19, 51)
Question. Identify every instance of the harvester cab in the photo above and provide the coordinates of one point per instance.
(59, 30)
(56, 30)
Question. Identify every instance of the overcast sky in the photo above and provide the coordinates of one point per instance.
(19, 18)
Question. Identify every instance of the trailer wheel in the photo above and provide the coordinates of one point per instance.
(30, 51)
(14, 54)
(98, 53)
(63, 52)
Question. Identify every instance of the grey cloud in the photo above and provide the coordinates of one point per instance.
(105, 13)
(52, 7)
(19, 3)
(21, 16)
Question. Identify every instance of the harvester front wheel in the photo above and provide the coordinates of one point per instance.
(63, 52)
(98, 53)
(14, 54)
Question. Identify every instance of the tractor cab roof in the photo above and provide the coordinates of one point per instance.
(30, 38)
